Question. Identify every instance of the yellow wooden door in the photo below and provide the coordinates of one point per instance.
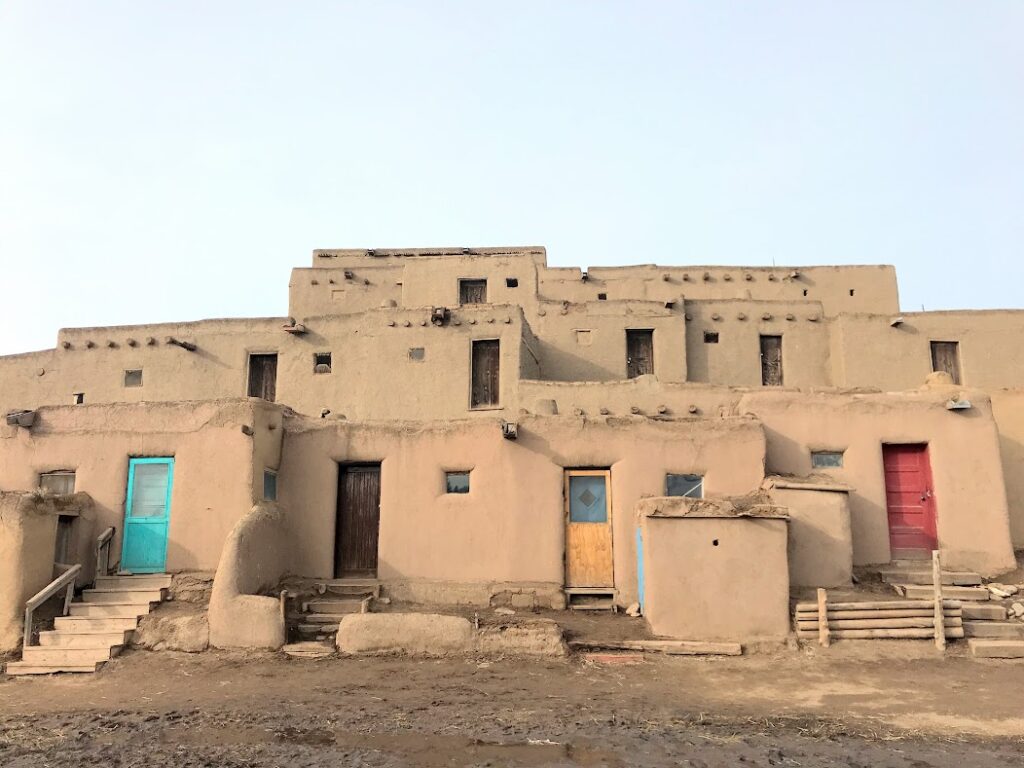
(588, 528)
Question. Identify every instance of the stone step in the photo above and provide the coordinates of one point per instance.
(996, 649)
(308, 650)
(1004, 630)
(77, 624)
(144, 595)
(38, 655)
(317, 630)
(349, 587)
(22, 668)
(113, 610)
(142, 581)
(317, 618)
(921, 592)
(982, 612)
(915, 576)
(84, 639)
(354, 605)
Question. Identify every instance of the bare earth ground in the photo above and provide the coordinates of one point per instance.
(870, 705)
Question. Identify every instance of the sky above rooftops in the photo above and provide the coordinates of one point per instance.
(173, 161)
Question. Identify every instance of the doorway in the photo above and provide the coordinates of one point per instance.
(358, 521)
(771, 361)
(147, 515)
(263, 376)
(910, 501)
(588, 529)
(639, 353)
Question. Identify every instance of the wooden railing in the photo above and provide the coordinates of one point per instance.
(103, 552)
(66, 579)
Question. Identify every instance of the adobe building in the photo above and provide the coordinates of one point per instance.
(469, 426)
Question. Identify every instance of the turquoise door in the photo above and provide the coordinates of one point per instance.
(147, 515)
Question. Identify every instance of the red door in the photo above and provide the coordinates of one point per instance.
(909, 498)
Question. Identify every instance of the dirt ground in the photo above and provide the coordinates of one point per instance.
(854, 705)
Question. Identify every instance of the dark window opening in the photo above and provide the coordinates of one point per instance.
(710, 337)
(691, 486)
(133, 378)
(639, 353)
(78, 398)
(805, 291)
(61, 482)
(269, 485)
(472, 291)
(511, 282)
(826, 459)
(321, 362)
(851, 291)
(456, 482)
(771, 361)
(62, 546)
(946, 357)
(602, 297)
(263, 376)
(417, 353)
(485, 376)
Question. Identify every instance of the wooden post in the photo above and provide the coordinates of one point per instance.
(823, 638)
(940, 624)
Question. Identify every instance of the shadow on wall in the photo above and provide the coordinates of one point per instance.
(253, 561)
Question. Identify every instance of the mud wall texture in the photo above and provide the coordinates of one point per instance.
(1008, 408)
(732, 584)
(510, 528)
(255, 557)
(820, 539)
(213, 474)
(963, 448)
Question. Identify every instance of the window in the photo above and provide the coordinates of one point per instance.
(826, 459)
(602, 297)
(771, 361)
(946, 358)
(639, 353)
(60, 481)
(263, 376)
(269, 485)
(456, 482)
(485, 376)
(472, 291)
(417, 353)
(691, 486)
(133, 378)
(321, 362)
(710, 337)
(78, 398)
(511, 282)
(583, 338)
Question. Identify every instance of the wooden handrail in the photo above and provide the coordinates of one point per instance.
(103, 552)
(66, 579)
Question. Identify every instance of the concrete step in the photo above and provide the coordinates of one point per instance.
(144, 595)
(921, 592)
(902, 575)
(1004, 630)
(84, 639)
(77, 624)
(113, 610)
(38, 655)
(983, 612)
(142, 581)
(996, 649)
(22, 668)
(352, 605)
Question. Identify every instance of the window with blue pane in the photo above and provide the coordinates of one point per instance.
(691, 486)
(456, 482)
(588, 499)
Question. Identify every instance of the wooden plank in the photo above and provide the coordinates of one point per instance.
(880, 634)
(925, 621)
(823, 637)
(358, 524)
(940, 635)
(880, 604)
(486, 373)
(890, 614)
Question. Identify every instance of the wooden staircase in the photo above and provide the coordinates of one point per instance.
(98, 626)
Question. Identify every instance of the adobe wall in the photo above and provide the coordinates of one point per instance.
(1008, 408)
(972, 513)
(820, 536)
(28, 530)
(510, 528)
(213, 473)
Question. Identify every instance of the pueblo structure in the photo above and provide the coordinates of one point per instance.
(473, 427)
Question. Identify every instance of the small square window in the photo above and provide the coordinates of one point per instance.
(602, 297)
(321, 362)
(710, 337)
(826, 459)
(691, 486)
(78, 398)
(60, 482)
(417, 353)
(584, 338)
(456, 482)
(269, 485)
(511, 282)
(472, 292)
(133, 378)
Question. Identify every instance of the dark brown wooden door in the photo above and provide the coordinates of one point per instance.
(946, 357)
(639, 353)
(771, 361)
(263, 376)
(486, 374)
(355, 549)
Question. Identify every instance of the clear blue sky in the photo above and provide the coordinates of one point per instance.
(173, 160)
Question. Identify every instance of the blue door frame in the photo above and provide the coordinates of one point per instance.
(147, 515)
